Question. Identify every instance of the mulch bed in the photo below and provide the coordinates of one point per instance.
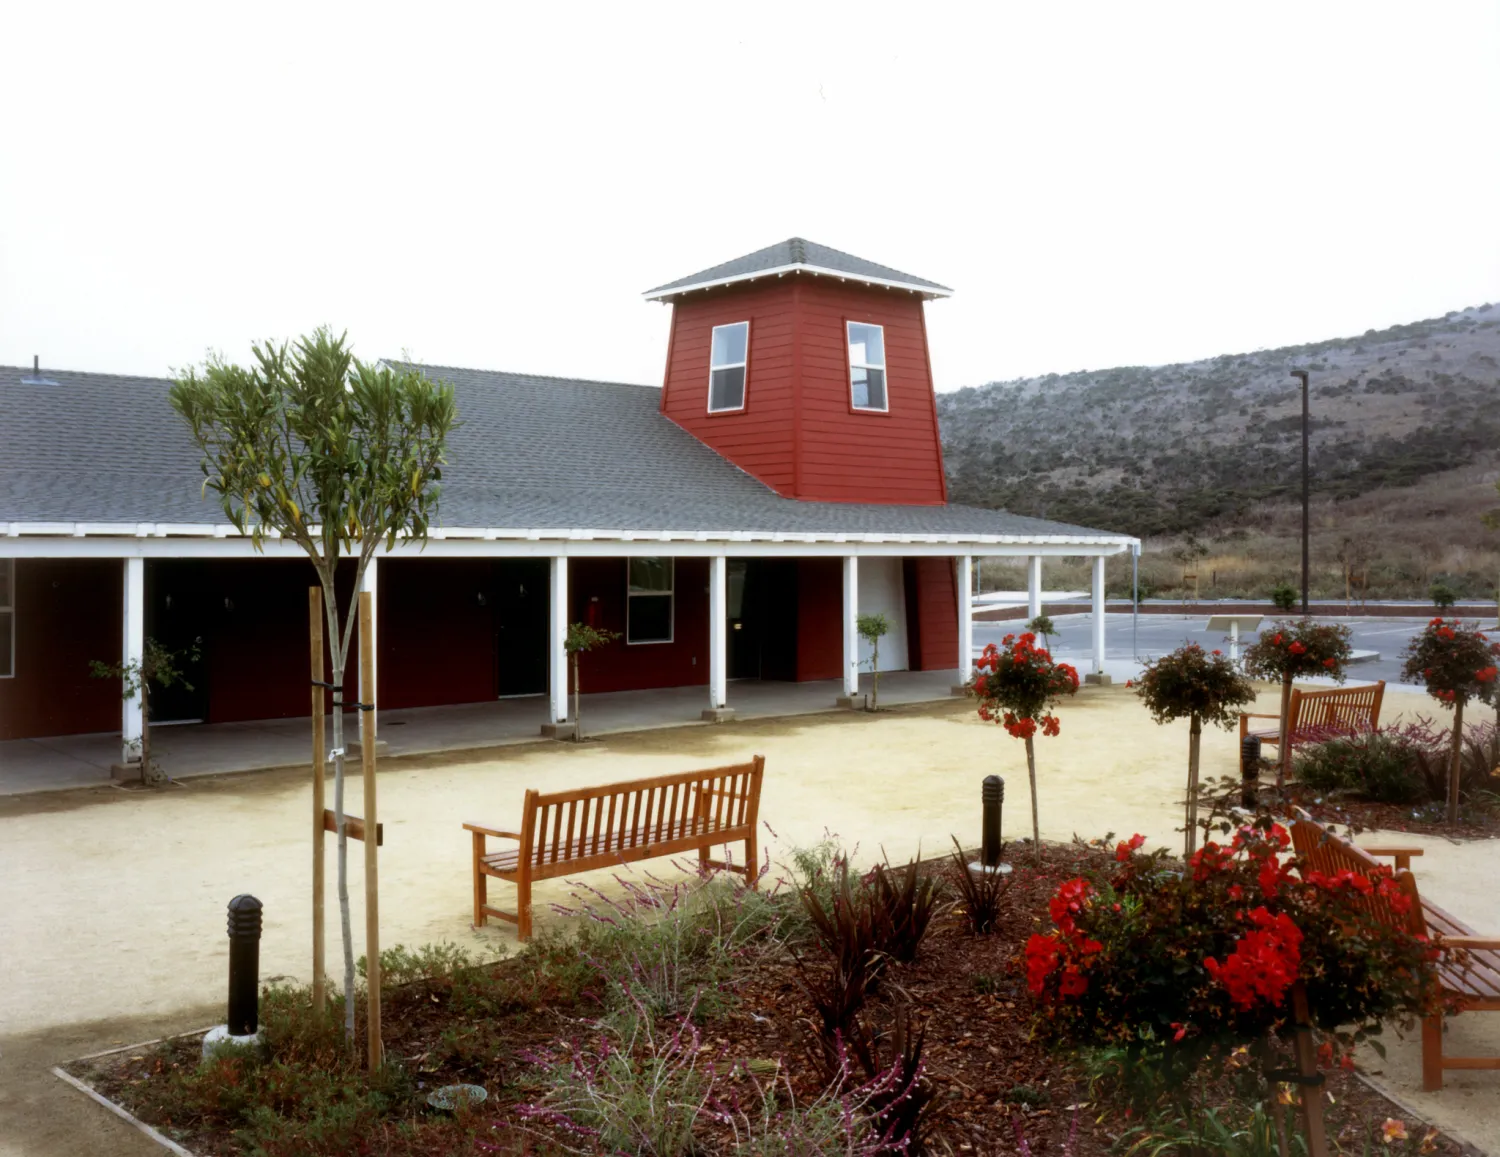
(1363, 815)
(993, 1083)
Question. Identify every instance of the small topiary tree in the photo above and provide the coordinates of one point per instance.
(873, 628)
(1042, 625)
(1200, 687)
(156, 665)
(1294, 649)
(580, 638)
(1017, 686)
(1456, 662)
(1442, 595)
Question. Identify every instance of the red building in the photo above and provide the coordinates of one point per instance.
(787, 476)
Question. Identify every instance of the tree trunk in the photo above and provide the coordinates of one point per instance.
(1284, 750)
(1455, 760)
(147, 779)
(577, 703)
(1036, 825)
(339, 652)
(1195, 736)
(875, 677)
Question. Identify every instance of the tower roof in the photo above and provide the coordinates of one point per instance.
(796, 255)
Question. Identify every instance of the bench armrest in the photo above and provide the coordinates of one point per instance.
(1258, 715)
(486, 830)
(1384, 851)
(1481, 942)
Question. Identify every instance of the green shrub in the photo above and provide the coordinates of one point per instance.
(1374, 765)
(1285, 597)
(1442, 595)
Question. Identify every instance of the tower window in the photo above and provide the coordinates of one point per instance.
(726, 369)
(867, 366)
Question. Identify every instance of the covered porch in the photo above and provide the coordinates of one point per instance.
(62, 762)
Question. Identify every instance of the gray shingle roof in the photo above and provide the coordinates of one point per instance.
(792, 253)
(532, 453)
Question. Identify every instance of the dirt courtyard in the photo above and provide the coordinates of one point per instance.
(112, 903)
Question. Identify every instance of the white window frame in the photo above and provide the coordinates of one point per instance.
(885, 375)
(8, 609)
(670, 594)
(744, 365)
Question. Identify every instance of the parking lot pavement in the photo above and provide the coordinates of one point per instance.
(1155, 635)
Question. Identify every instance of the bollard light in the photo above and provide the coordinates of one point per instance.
(244, 965)
(992, 795)
(1249, 770)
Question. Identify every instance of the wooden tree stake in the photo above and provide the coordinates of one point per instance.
(1311, 1095)
(319, 751)
(372, 878)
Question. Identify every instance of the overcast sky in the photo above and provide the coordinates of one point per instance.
(494, 186)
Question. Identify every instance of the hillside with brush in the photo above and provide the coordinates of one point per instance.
(1180, 448)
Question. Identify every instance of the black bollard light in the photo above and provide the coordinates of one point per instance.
(244, 965)
(992, 793)
(1249, 770)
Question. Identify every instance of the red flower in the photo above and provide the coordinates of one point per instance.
(1486, 674)
(1208, 859)
(1330, 663)
(1125, 847)
(1298, 648)
(1041, 959)
(1264, 962)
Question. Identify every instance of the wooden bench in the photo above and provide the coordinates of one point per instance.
(619, 823)
(1344, 708)
(1470, 979)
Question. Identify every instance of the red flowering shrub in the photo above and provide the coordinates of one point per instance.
(1455, 661)
(1187, 965)
(1017, 685)
(1297, 648)
(1200, 687)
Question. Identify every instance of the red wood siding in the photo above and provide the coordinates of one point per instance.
(820, 620)
(935, 639)
(857, 456)
(436, 640)
(758, 438)
(798, 432)
(596, 592)
(68, 612)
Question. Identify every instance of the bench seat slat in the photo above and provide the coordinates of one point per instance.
(571, 858)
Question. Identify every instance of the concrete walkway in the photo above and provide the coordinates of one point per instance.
(73, 761)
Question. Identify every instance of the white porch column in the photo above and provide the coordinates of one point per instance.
(965, 618)
(1098, 675)
(133, 650)
(557, 633)
(718, 641)
(851, 631)
(1033, 586)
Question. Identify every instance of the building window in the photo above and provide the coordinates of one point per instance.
(867, 366)
(726, 367)
(7, 617)
(648, 617)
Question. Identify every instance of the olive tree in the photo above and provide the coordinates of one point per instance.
(336, 455)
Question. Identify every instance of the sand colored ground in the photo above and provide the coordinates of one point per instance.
(112, 903)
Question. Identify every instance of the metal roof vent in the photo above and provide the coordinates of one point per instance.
(36, 378)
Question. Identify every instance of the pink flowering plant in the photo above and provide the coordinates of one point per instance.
(1176, 967)
(1457, 663)
(1297, 649)
(1017, 685)
(1201, 687)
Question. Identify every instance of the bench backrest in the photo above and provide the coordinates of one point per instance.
(1341, 708)
(597, 826)
(1324, 851)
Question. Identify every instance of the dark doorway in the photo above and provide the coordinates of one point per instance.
(520, 597)
(180, 617)
(761, 606)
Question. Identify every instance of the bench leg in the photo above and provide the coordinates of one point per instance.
(703, 860)
(1432, 1053)
(480, 891)
(752, 866)
(523, 910)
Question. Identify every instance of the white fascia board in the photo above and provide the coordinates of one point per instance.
(782, 270)
(169, 540)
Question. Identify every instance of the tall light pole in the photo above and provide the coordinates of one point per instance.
(1303, 375)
